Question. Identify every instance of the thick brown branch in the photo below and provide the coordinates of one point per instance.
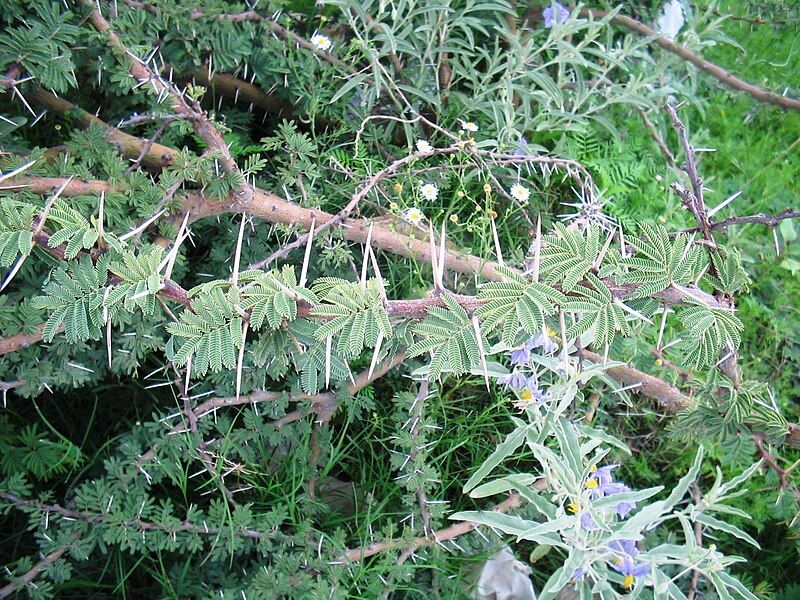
(21, 340)
(20, 582)
(710, 68)
(156, 157)
(181, 105)
(667, 395)
(436, 537)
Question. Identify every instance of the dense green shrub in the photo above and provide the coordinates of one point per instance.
(333, 301)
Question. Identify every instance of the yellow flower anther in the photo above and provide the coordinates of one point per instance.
(526, 394)
(573, 508)
(591, 483)
(629, 581)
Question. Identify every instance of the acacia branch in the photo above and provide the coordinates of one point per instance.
(667, 395)
(698, 61)
(324, 404)
(761, 218)
(156, 156)
(27, 578)
(181, 104)
(435, 537)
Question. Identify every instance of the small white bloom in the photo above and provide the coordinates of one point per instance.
(520, 192)
(468, 126)
(321, 42)
(429, 191)
(424, 146)
(414, 216)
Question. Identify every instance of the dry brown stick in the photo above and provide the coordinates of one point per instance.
(181, 104)
(771, 462)
(27, 578)
(156, 157)
(20, 341)
(693, 200)
(322, 404)
(667, 395)
(420, 542)
(760, 218)
(89, 517)
(698, 61)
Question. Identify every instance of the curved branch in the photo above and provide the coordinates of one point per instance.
(698, 61)
(157, 156)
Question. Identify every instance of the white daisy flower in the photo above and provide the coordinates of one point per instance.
(424, 146)
(468, 126)
(429, 191)
(414, 216)
(321, 42)
(520, 192)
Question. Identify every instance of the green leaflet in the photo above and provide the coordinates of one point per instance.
(74, 299)
(449, 335)
(659, 261)
(516, 302)
(355, 315)
(273, 297)
(209, 335)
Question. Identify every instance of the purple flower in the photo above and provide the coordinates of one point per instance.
(514, 380)
(531, 390)
(602, 484)
(556, 13)
(522, 149)
(631, 569)
(624, 507)
(542, 341)
(624, 562)
(587, 522)
(521, 356)
(623, 548)
(578, 574)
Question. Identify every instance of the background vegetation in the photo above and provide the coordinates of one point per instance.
(309, 127)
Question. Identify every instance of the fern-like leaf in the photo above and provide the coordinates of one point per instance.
(514, 302)
(450, 336)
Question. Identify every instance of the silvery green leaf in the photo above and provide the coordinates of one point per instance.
(592, 432)
(493, 369)
(735, 584)
(647, 517)
(637, 496)
(498, 486)
(541, 533)
(573, 562)
(548, 527)
(560, 469)
(683, 485)
(513, 441)
(719, 585)
(710, 521)
(739, 479)
(665, 588)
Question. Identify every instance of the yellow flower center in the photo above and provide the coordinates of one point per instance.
(573, 508)
(629, 581)
(526, 394)
(618, 560)
(591, 483)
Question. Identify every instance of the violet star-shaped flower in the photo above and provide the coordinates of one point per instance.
(555, 13)
(514, 380)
